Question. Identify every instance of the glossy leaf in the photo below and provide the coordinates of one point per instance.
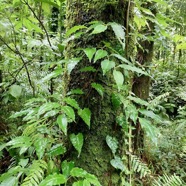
(85, 114)
(62, 122)
(67, 167)
(56, 150)
(99, 28)
(117, 163)
(78, 172)
(72, 102)
(99, 88)
(77, 142)
(69, 111)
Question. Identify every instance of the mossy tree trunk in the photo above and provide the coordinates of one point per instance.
(95, 156)
(141, 85)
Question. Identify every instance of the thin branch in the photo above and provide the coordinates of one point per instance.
(41, 23)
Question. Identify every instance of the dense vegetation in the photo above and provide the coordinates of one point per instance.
(92, 93)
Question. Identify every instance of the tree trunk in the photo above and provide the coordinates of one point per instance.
(95, 156)
(141, 85)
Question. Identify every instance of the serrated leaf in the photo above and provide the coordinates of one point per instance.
(74, 29)
(56, 150)
(53, 179)
(62, 122)
(119, 78)
(69, 111)
(107, 65)
(15, 91)
(72, 102)
(67, 167)
(77, 142)
(99, 88)
(85, 114)
(78, 172)
(117, 163)
(90, 53)
(99, 28)
(133, 69)
(40, 145)
(112, 142)
(100, 54)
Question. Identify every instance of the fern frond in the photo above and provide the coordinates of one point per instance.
(139, 166)
(35, 173)
(166, 180)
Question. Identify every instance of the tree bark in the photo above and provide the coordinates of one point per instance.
(95, 156)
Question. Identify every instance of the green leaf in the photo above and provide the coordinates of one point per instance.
(118, 30)
(150, 114)
(99, 88)
(57, 150)
(15, 91)
(78, 183)
(53, 74)
(10, 181)
(85, 114)
(72, 63)
(138, 101)
(116, 101)
(78, 172)
(117, 163)
(74, 29)
(67, 167)
(88, 69)
(77, 142)
(99, 28)
(100, 54)
(107, 65)
(48, 107)
(150, 130)
(119, 78)
(69, 111)
(72, 102)
(90, 53)
(53, 179)
(112, 142)
(181, 46)
(133, 69)
(40, 145)
(76, 91)
(62, 122)
(118, 56)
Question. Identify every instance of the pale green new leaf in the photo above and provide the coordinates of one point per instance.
(112, 142)
(100, 54)
(77, 142)
(119, 78)
(118, 30)
(15, 91)
(107, 65)
(63, 123)
(78, 172)
(53, 179)
(99, 88)
(90, 53)
(85, 114)
(72, 63)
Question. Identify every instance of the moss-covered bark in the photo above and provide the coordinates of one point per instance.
(95, 156)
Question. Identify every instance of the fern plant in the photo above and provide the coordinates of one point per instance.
(166, 180)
